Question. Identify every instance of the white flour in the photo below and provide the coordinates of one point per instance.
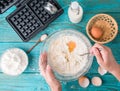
(13, 62)
(58, 51)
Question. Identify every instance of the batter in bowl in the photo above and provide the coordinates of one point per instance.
(64, 54)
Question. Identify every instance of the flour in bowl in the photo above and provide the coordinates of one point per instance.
(64, 54)
(13, 62)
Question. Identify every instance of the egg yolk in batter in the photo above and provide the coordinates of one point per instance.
(71, 46)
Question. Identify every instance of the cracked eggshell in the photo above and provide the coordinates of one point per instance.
(101, 71)
(96, 81)
(84, 81)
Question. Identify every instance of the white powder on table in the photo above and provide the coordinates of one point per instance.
(13, 61)
(62, 60)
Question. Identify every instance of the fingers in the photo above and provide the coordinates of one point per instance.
(98, 55)
(49, 72)
(43, 63)
(104, 51)
(51, 79)
(100, 48)
(97, 50)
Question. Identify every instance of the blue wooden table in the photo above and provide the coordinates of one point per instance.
(31, 80)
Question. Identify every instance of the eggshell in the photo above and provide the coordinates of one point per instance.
(96, 32)
(96, 81)
(101, 71)
(84, 81)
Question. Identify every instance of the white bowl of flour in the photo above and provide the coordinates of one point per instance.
(13, 61)
(63, 53)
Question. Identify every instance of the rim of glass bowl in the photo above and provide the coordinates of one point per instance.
(84, 38)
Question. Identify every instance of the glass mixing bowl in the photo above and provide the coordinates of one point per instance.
(54, 36)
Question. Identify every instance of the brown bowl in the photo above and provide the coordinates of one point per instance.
(107, 24)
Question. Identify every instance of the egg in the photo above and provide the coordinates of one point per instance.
(84, 81)
(96, 32)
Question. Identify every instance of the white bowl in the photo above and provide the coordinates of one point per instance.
(13, 61)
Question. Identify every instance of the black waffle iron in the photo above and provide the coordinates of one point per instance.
(31, 16)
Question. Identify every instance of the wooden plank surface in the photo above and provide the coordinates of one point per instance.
(31, 80)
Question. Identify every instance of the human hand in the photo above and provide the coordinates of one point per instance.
(106, 59)
(47, 73)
